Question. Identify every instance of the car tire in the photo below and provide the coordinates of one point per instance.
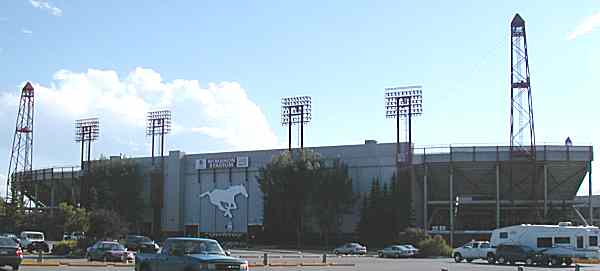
(555, 261)
(105, 258)
(501, 260)
(397, 255)
(15, 267)
(568, 261)
(490, 258)
(380, 255)
(89, 257)
(457, 257)
(529, 261)
(469, 260)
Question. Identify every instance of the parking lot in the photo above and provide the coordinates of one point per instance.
(351, 262)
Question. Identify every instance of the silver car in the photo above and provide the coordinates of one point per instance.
(396, 251)
(351, 248)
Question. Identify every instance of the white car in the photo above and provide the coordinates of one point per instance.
(474, 250)
(34, 240)
(350, 248)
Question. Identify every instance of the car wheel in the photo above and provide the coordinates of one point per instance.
(491, 259)
(554, 261)
(529, 261)
(380, 255)
(105, 258)
(15, 267)
(501, 260)
(568, 261)
(457, 257)
(397, 255)
(89, 257)
(469, 260)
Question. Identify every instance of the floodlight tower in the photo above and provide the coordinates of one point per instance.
(296, 110)
(403, 102)
(158, 124)
(86, 131)
(21, 157)
(522, 132)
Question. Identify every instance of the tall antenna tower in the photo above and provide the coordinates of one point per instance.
(522, 133)
(21, 157)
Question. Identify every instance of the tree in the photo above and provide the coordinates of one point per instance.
(75, 219)
(106, 224)
(116, 185)
(301, 190)
(332, 197)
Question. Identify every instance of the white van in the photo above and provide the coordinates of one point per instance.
(562, 240)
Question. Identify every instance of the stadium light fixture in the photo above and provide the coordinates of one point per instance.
(296, 110)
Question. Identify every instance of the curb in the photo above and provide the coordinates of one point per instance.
(39, 264)
(586, 261)
(313, 264)
(342, 264)
(283, 264)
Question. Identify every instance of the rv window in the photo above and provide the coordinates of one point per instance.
(562, 240)
(593, 241)
(544, 242)
(503, 235)
(579, 241)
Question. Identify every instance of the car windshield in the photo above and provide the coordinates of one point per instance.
(7, 242)
(34, 236)
(197, 247)
(114, 246)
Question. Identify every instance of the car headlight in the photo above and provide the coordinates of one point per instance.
(244, 266)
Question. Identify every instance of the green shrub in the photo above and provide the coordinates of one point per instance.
(413, 236)
(64, 247)
(435, 246)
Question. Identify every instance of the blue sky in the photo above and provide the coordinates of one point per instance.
(222, 66)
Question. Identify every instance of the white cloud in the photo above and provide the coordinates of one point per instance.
(45, 5)
(586, 26)
(26, 31)
(223, 110)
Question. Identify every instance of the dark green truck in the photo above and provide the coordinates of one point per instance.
(189, 254)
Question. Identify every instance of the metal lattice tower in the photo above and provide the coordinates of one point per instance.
(522, 133)
(21, 157)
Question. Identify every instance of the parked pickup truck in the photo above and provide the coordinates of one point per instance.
(189, 254)
(474, 250)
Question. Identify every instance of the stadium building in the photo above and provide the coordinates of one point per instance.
(464, 189)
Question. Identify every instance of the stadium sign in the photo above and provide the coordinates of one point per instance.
(232, 162)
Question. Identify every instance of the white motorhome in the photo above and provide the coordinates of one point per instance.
(562, 240)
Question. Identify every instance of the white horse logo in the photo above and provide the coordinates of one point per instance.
(224, 199)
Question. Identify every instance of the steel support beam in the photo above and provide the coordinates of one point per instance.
(591, 213)
(497, 195)
(451, 201)
(425, 199)
(545, 190)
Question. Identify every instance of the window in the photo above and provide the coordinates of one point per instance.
(503, 235)
(579, 241)
(485, 245)
(593, 241)
(562, 240)
(475, 245)
(544, 242)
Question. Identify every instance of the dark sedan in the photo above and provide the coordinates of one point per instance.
(10, 253)
(141, 244)
(109, 251)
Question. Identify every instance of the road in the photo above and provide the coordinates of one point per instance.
(360, 263)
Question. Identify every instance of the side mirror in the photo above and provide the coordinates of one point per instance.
(228, 252)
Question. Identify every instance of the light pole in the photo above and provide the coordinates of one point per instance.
(86, 130)
(158, 124)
